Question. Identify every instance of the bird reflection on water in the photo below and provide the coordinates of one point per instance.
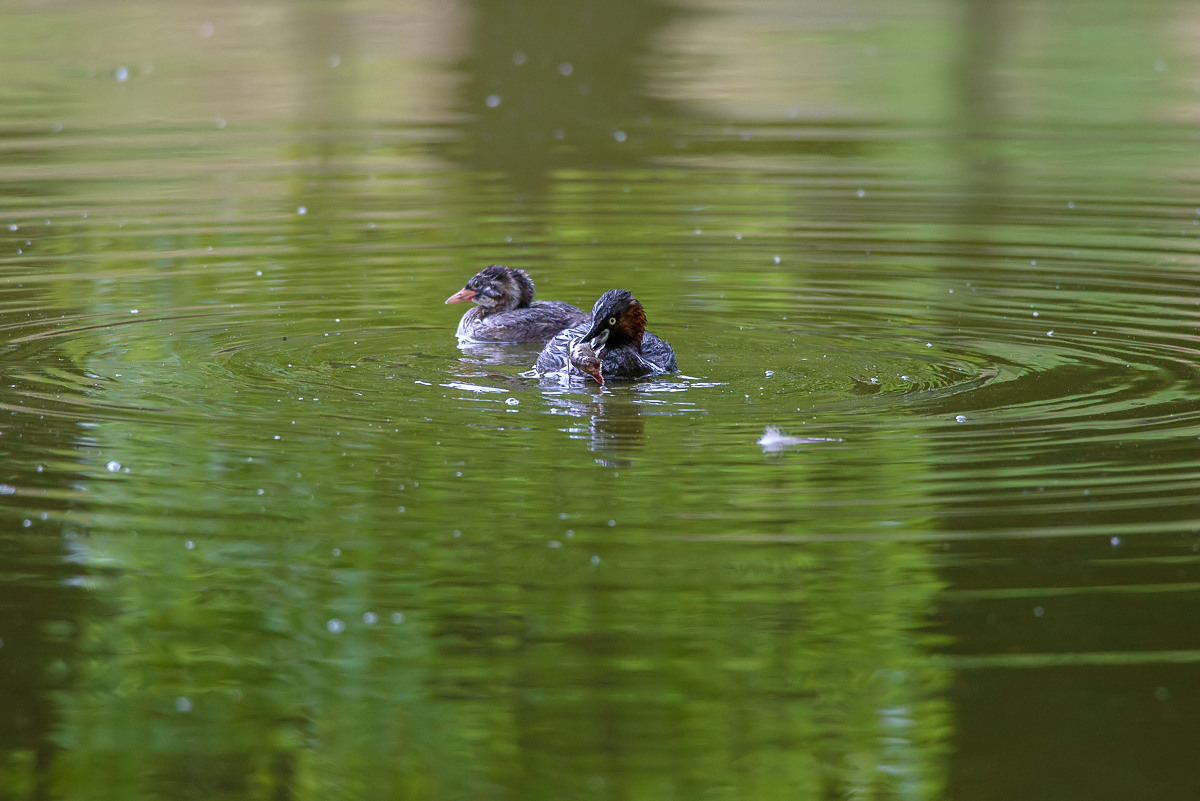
(615, 427)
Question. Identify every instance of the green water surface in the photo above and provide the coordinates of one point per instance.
(267, 531)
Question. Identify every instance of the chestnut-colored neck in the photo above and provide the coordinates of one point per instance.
(630, 328)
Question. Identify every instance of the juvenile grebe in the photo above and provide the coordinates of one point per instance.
(506, 310)
(617, 332)
(584, 359)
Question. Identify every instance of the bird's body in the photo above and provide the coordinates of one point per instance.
(537, 322)
(616, 333)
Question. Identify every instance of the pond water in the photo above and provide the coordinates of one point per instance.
(267, 531)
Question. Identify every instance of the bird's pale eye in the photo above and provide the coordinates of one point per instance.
(612, 320)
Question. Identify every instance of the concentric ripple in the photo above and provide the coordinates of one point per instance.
(1001, 356)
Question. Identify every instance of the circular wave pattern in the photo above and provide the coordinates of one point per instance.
(1017, 350)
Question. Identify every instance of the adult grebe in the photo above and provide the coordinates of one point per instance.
(617, 333)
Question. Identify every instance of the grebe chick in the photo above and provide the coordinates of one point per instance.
(584, 359)
(505, 310)
(617, 333)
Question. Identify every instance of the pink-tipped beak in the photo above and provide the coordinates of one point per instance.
(461, 296)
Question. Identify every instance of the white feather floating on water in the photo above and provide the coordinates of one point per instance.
(773, 439)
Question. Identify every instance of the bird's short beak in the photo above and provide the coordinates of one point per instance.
(461, 296)
(599, 340)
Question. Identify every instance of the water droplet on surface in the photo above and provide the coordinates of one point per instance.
(595, 560)
(491, 101)
(565, 68)
(370, 618)
(335, 625)
(511, 401)
(122, 75)
(113, 467)
(183, 704)
(302, 210)
(619, 136)
(960, 418)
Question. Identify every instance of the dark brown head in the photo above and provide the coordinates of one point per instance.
(617, 320)
(497, 288)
